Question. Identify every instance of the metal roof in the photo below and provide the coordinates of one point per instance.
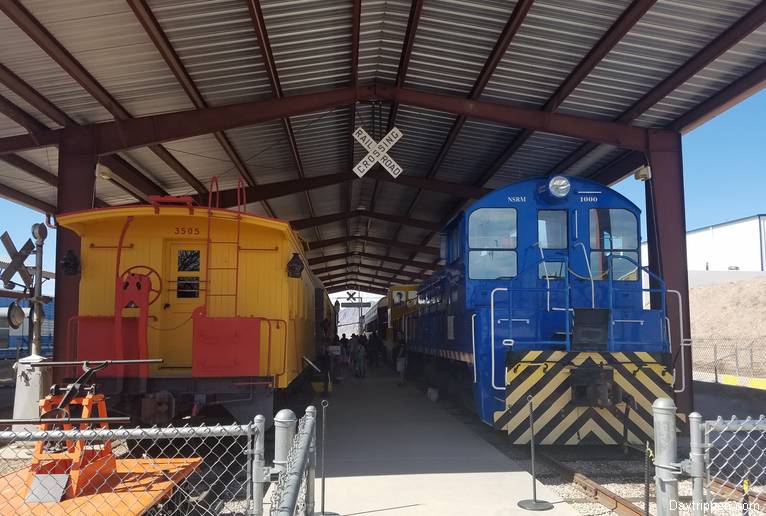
(648, 63)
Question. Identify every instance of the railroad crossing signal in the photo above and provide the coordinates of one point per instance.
(17, 261)
(351, 295)
(353, 303)
(377, 152)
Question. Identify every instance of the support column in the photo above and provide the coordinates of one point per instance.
(76, 188)
(666, 228)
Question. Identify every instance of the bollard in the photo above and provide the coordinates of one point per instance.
(311, 412)
(534, 504)
(284, 433)
(259, 465)
(325, 404)
(647, 464)
(664, 411)
(697, 458)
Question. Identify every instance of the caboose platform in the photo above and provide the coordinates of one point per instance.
(392, 451)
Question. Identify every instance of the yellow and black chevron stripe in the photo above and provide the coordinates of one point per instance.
(547, 376)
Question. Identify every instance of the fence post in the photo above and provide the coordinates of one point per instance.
(259, 465)
(665, 453)
(715, 360)
(284, 433)
(697, 457)
(311, 412)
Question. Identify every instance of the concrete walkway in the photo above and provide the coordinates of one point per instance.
(390, 451)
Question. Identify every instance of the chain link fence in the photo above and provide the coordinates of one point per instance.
(736, 462)
(168, 471)
(730, 360)
(293, 493)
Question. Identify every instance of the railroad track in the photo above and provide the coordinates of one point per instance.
(593, 489)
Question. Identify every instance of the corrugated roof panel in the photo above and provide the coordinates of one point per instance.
(323, 141)
(453, 41)
(18, 180)
(24, 58)
(327, 200)
(265, 151)
(311, 42)
(737, 62)
(112, 194)
(554, 38)
(423, 133)
(426, 209)
(475, 150)
(291, 207)
(218, 46)
(382, 29)
(669, 34)
(538, 156)
(205, 158)
(110, 43)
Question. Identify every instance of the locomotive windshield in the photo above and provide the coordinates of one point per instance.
(613, 231)
(492, 241)
(552, 229)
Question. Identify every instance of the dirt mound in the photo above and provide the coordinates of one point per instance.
(735, 309)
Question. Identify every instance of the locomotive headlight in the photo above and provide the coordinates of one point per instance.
(559, 186)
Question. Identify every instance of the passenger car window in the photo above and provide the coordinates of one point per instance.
(552, 229)
(492, 228)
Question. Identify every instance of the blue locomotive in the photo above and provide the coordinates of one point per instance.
(542, 298)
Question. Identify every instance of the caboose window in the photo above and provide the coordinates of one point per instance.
(188, 260)
(613, 232)
(492, 228)
(187, 287)
(552, 229)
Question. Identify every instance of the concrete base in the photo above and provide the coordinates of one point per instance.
(391, 451)
(32, 384)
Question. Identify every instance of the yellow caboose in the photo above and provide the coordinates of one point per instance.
(221, 296)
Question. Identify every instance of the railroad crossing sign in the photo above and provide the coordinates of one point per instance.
(377, 152)
(17, 261)
(353, 303)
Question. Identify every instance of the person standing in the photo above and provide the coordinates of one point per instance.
(401, 362)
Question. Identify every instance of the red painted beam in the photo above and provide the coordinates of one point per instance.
(30, 168)
(617, 134)
(342, 256)
(382, 241)
(351, 286)
(335, 217)
(724, 42)
(21, 117)
(323, 269)
(413, 21)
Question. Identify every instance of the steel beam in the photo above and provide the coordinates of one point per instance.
(30, 168)
(322, 269)
(21, 117)
(382, 241)
(347, 274)
(617, 134)
(356, 282)
(725, 41)
(620, 168)
(416, 8)
(335, 217)
(666, 225)
(51, 46)
(77, 178)
(342, 256)
(349, 286)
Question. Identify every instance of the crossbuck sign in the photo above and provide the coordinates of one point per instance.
(377, 152)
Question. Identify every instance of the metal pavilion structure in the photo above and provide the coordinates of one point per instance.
(106, 103)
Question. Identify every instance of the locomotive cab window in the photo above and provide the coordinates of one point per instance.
(492, 234)
(551, 270)
(552, 229)
(613, 232)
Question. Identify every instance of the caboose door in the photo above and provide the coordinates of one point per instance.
(184, 291)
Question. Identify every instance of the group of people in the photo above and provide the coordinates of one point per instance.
(359, 352)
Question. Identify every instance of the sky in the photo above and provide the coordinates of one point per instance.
(724, 178)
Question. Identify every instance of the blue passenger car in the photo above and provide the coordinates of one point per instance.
(541, 296)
